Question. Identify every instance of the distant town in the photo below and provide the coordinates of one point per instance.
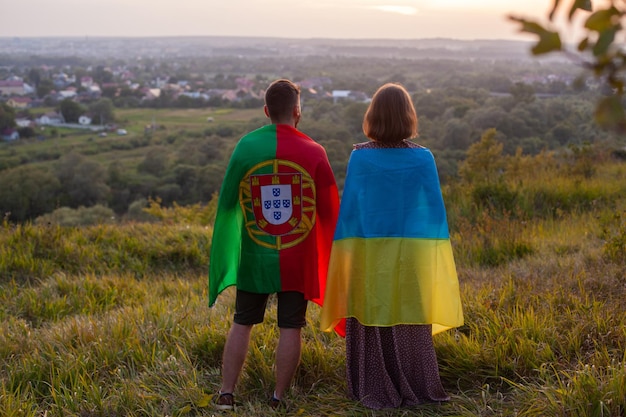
(74, 75)
(212, 46)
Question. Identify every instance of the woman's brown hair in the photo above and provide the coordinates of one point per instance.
(390, 116)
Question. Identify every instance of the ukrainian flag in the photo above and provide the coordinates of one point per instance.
(391, 260)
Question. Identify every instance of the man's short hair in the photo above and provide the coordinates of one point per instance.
(280, 98)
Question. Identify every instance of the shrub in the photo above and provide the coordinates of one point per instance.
(614, 234)
(619, 154)
(498, 197)
(82, 216)
(490, 240)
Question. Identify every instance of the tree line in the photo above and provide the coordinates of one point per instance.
(456, 102)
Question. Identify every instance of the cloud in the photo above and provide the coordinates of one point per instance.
(405, 10)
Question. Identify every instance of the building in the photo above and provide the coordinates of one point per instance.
(19, 103)
(50, 119)
(14, 88)
(84, 120)
(349, 95)
(9, 135)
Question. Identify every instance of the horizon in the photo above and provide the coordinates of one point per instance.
(438, 38)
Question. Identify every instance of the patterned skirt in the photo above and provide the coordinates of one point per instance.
(391, 367)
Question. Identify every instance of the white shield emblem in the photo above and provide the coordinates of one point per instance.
(276, 203)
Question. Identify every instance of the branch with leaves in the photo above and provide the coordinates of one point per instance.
(599, 51)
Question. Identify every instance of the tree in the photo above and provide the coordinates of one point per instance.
(353, 116)
(34, 77)
(102, 75)
(71, 110)
(26, 132)
(457, 135)
(484, 161)
(522, 93)
(103, 111)
(7, 117)
(598, 51)
(44, 87)
(155, 162)
(83, 182)
(27, 192)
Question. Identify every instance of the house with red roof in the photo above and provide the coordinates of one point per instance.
(14, 87)
(19, 103)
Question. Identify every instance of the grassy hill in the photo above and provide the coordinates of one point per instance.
(112, 320)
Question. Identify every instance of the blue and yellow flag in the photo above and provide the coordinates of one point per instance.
(391, 260)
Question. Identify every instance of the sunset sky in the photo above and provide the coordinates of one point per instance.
(401, 19)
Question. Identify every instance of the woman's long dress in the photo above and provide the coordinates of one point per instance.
(390, 367)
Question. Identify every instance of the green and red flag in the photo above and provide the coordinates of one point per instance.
(276, 216)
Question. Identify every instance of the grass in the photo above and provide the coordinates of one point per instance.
(172, 124)
(186, 116)
(112, 320)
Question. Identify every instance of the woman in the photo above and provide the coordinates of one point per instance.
(392, 274)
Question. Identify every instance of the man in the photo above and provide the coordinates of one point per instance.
(276, 216)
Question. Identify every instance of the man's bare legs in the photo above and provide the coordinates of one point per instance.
(236, 348)
(234, 355)
(287, 359)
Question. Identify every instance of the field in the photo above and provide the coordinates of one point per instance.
(112, 320)
(57, 141)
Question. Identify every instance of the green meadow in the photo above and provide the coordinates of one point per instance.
(112, 319)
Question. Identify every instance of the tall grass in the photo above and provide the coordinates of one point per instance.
(29, 252)
(112, 320)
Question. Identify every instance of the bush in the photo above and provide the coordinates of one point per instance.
(619, 154)
(82, 216)
(136, 212)
(498, 197)
(490, 240)
(614, 235)
(546, 202)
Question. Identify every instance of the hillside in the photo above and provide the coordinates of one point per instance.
(113, 319)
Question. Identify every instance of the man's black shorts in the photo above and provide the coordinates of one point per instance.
(250, 308)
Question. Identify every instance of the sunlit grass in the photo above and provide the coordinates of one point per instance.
(185, 117)
(112, 320)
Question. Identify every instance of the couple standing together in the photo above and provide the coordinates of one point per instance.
(380, 264)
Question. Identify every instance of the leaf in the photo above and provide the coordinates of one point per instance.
(583, 44)
(604, 42)
(205, 401)
(602, 19)
(185, 410)
(549, 41)
(528, 25)
(580, 4)
(554, 7)
(610, 113)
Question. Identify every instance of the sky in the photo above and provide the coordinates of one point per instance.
(352, 19)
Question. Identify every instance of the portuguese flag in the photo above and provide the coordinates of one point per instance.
(276, 216)
(391, 260)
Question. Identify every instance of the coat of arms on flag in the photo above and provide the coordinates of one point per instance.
(277, 202)
(279, 206)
